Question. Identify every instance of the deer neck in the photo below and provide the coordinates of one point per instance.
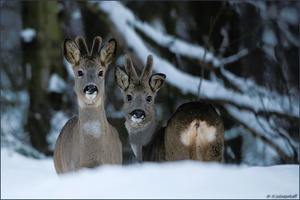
(139, 137)
(92, 119)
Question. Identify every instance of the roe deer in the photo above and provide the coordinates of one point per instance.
(88, 140)
(195, 131)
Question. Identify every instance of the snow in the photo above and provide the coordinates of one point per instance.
(13, 119)
(261, 126)
(188, 83)
(23, 177)
(56, 84)
(76, 15)
(269, 37)
(270, 40)
(28, 34)
(252, 98)
(290, 15)
(176, 45)
(69, 68)
(285, 16)
(58, 120)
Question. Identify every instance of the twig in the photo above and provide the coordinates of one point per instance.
(213, 23)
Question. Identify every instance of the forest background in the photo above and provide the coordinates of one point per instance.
(242, 57)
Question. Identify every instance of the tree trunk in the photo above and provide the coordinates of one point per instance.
(41, 56)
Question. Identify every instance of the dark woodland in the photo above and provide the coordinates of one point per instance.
(242, 57)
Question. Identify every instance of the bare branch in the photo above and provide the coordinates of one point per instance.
(186, 82)
(260, 128)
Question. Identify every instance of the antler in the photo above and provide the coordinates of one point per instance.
(147, 71)
(80, 41)
(130, 69)
(96, 46)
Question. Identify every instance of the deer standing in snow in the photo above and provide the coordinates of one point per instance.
(194, 132)
(88, 140)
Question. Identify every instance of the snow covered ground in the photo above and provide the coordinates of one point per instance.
(23, 177)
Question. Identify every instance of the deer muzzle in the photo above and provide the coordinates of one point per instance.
(90, 91)
(137, 115)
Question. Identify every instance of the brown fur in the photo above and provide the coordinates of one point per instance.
(194, 114)
(194, 132)
(88, 140)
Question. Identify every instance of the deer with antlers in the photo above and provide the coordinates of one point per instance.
(194, 132)
(88, 140)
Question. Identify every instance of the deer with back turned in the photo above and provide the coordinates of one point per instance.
(88, 140)
(195, 131)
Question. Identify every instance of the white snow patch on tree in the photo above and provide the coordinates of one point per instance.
(56, 84)
(28, 34)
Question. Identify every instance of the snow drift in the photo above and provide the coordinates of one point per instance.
(23, 177)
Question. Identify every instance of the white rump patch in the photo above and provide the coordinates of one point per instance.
(198, 132)
(92, 127)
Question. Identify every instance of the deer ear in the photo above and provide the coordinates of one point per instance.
(71, 51)
(108, 51)
(122, 78)
(156, 81)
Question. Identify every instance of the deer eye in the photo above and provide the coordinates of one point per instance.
(148, 98)
(100, 73)
(128, 97)
(80, 73)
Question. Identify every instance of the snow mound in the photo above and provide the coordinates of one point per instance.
(23, 177)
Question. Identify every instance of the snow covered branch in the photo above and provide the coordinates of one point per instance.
(189, 83)
(285, 146)
(253, 99)
(181, 47)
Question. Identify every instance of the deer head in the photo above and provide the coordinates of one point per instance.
(139, 95)
(89, 67)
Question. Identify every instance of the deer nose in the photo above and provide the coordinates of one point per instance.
(90, 89)
(138, 114)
